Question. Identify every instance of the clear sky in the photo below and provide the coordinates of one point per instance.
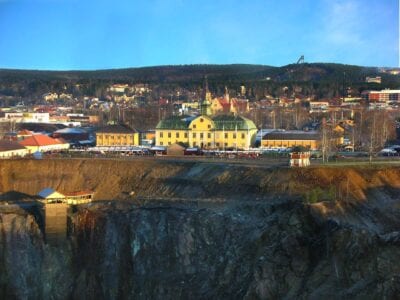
(99, 34)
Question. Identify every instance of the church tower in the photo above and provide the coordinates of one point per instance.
(205, 106)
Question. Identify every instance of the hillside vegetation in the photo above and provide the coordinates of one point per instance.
(321, 79)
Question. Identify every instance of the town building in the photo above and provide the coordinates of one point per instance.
(27, 117)
(117, 135)
(9, 149)
(206, 131)
(217, 132)
(291, 138)
(83, 119)
(228, 105)
(147, 138)
(73, 135)
(299, 159)
(43, 143)
(376, 79)
(319, 106)
(384, 96)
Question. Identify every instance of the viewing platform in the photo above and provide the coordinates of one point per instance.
(56, 207)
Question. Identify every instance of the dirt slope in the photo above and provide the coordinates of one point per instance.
(205, 231)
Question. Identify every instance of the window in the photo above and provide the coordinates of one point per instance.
(194, 135)
(209, 144)
(243, 135)
(194, 126)
(201, 120)
(226, 144)
(186, 135)
(208, 126)
(201, 135)
(217, 144)
(234, 135)
(161, 135)
(226, 135)
(169, 143)
(194, 144)
(169, 134)
(161, 143)
(209, 135)
(177, 135)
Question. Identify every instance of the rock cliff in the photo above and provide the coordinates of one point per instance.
(191, 230)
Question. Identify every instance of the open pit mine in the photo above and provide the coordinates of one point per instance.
(160, 229)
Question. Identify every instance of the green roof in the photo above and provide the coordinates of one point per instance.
(230, 122)
(221, 122)
(175, 122)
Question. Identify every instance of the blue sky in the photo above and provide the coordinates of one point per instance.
(99, 34)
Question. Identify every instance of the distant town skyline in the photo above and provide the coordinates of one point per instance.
(103, 34)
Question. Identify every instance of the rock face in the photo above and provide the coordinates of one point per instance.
(260, 246)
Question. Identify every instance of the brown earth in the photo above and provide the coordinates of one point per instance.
(197, 230)
(116, 179)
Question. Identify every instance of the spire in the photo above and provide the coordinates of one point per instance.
(206, 90)
(227, 99)
(205, 108)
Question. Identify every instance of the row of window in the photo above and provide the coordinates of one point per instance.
(112, 137)
(201, 135)
(208, 126)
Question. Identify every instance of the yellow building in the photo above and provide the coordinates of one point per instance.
(291, 138)
(218, 132)
(117, 135)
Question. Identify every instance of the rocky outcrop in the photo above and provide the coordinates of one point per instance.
(251, 243)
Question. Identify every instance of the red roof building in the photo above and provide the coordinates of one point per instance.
(43, 143)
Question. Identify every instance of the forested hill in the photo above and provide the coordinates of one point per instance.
(184, 73)
(316, 79)
(157, 74)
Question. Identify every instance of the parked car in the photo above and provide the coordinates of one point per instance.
(388, 152)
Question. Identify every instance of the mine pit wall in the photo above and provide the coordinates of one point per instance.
(211, 232)
(119, 179)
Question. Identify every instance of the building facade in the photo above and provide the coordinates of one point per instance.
(9, 149)
(117, 135)
(291, 138)
(43, 143)
(218, 132)
(382, 96)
